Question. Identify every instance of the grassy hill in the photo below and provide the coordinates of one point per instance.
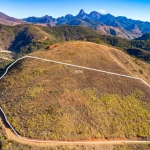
(22, 39)
(25, 39)
(46, 100)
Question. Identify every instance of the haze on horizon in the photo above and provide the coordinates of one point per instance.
(134, 9)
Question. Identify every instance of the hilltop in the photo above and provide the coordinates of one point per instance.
(46, 100)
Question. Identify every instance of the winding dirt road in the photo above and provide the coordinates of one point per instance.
(13, 136)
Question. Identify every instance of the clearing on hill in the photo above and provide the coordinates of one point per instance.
(46, 100)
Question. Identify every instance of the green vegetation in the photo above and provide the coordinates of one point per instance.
(22, 39)
(68, 33)
(52, 101)
(83, 114)
(58, 108)
(7, 144)
(142, 44)
(140, 54)
(62, 105)
(25, 39)
(3, 64)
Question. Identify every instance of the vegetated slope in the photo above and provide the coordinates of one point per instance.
(27, 38)
(24, 39)
(46, 100)
(135, 45)
(6, 57)
(9, 141)
(142, 42)
(3, 64)
(139, 53)
(67, 33)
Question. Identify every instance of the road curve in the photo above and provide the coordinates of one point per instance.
(12, 134)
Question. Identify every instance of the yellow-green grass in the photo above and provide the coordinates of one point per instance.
(97, 56)
(45, 100)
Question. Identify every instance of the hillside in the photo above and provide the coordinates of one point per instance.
(24, 39)
(119, 32)
(7, 20)
(46, 100)
(144, 37)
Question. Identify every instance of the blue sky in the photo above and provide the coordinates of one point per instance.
(135, 9)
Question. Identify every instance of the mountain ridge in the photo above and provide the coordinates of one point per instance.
(7, 20)
(130, 29)
(121, 26)
(107, 19)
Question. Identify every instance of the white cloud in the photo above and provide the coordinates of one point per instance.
(102, 10)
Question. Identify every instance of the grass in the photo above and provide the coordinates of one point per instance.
(52, 101)
(97, 56)
(7, 144)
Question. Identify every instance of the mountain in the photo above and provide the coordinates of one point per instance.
(69, 103)
(119, 32)
(49, 20)
(134, 29)
(82, 14)
(7, 20)
(121, 26)
(128, 28)
(106, 24)
(26, 38)
(144, 37)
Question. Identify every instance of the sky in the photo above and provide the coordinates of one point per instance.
(134, 9)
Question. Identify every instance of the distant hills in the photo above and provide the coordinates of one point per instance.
(26, 38)
(104, 24)
(144, 37)
(7, 20)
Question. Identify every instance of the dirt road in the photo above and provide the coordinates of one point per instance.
(27, 141)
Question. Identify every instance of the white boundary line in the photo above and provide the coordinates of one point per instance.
(112, 73)
(76, 142)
